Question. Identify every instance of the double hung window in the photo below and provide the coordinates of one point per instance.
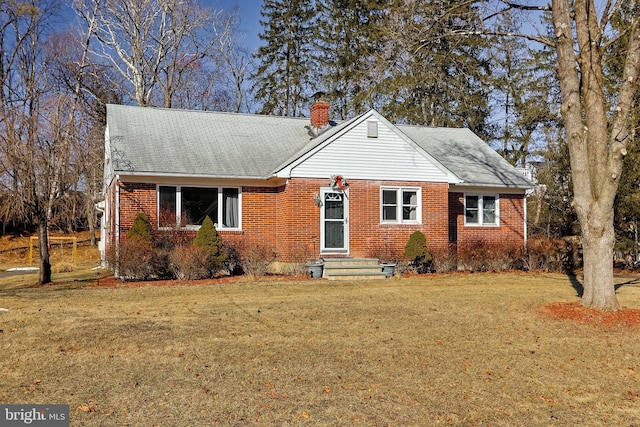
(400, 205)
(481, 209)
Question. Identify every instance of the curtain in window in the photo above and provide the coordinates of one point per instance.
(230, 207)
(488, 210)
(410, 205)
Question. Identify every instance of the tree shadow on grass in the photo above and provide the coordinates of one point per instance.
(577, 285)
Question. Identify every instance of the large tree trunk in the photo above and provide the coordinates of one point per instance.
(596, 140)
(598, 239)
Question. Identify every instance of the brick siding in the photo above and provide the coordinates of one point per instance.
(510, 231)
(287, 218)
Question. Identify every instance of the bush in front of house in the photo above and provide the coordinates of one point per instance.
(255, 258)
(445, 259)
(416, 251)
(551, 255)
(189, 262)
(141, 228)
(134, 259)
(480, 255)
(210, 242)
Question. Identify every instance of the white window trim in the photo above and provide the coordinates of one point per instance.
(480, 222)
(179, 206)
(399, 191)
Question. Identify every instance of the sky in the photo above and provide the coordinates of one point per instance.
(249, 14)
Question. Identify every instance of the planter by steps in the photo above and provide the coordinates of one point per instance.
(388, 269)
(315, 269)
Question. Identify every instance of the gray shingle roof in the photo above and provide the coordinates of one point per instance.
(174, 142)
(467, 156)
(201, 143)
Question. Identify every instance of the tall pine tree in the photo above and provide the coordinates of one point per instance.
(525, 93)
(436, 76)
(348, 41)
(285, 77)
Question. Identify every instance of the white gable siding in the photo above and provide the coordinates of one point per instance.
(356, 156)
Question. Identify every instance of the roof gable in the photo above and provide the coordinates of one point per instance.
(351, 152)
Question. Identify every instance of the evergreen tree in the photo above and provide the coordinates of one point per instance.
(437, 75)
(348, 42)
(209, 240)
(550, 213)
(141, 229)
(525, 92)
(285, 78)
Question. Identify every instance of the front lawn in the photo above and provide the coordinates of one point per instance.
(460, 349)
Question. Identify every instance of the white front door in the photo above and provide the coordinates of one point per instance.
(334, 223)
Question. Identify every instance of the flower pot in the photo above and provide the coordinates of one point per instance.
(315, 270)
(388, 269)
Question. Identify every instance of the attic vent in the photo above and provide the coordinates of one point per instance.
(372, 129)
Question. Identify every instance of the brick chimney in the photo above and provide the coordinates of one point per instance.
(319, 111)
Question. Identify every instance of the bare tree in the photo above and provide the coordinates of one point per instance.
(237, 61)
(597, 125)
(152, 44)
(33, 146)
(597, 135)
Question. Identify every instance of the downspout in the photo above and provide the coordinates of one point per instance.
(101, 243)
(117, 230)
(525, 221)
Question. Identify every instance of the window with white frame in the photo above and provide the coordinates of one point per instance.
(188, 206)
(481, 209)
(400, 205)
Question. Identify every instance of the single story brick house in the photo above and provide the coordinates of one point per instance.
(308, 188)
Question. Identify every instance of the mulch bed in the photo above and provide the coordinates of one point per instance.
(573, 311)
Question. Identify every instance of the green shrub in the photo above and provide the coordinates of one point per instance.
(416, 251)
(210, 241)
(141, 228)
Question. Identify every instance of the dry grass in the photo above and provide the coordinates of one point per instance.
(435, 350)
(14, 251)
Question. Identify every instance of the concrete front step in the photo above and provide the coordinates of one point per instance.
(352, 269)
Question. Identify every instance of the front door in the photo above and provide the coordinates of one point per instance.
(334, 224)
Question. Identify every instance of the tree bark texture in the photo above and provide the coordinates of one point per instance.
(44, 275)
(596, 140)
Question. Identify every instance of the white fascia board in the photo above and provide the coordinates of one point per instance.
(175, 179)
(483, 188)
